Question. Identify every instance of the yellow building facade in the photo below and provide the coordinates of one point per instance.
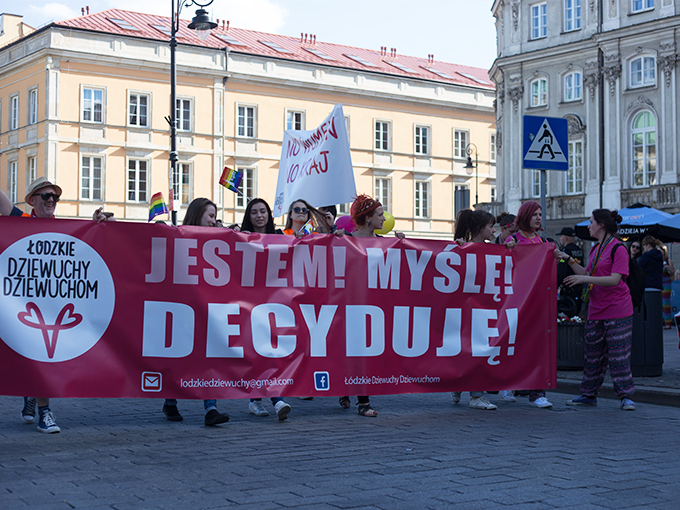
(84, 102)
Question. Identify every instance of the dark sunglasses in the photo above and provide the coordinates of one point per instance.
(299, 210)
(635, 246)
(47, 196)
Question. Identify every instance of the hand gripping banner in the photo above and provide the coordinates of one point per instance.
(139, 310)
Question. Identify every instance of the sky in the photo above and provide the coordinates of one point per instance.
(455, 31)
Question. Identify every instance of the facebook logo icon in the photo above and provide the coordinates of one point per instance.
(322, 381)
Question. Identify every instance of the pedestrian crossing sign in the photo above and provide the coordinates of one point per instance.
(546, 143)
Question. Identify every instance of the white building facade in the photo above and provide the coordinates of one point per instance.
(610, 68)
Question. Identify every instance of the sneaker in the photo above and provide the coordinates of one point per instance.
(214, 417)
(257, 408)
(455, 396)
(627, 404)
(306, 398)
(47, 424)
(541, 402)
(171, 413)
(583, 400)
(509, 396)
(481, 403)
(282, 409)
(28, 412)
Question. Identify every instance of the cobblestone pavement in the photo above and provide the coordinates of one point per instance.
(422, 452)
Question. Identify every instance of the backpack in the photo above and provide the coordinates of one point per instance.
(637, 278)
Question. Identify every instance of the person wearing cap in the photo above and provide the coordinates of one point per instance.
(42, 196)
(575, 252)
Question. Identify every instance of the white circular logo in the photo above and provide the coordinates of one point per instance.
(57, 297)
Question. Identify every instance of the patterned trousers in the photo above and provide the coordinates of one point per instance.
(608, 342)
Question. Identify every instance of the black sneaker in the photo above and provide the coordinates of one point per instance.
(214, 417)
(28, 412)
(171, 413)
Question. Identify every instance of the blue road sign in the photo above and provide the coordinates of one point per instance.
(545, 143)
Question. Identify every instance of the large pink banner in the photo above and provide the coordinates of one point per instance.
(139, 310)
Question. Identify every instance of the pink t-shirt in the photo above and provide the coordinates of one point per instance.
(520, 238)
(610, 302)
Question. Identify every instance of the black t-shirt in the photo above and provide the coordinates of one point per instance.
(563, 269)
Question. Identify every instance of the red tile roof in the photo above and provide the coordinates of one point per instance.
(252, 42)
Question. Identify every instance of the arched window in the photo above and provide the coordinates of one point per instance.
(539, 92)
(644, 149)
(572, 86)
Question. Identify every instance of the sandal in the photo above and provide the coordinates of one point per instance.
(345, 402)
(367, 410)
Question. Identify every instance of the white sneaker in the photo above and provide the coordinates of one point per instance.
(541, 402)
(481, 403)
(282, 410)
(257, 408)
(455, 396)
(509, 396)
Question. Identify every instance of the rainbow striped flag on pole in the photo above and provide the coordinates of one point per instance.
(231, 179)
(157, 206)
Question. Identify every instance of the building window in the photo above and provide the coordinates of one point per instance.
(295, 120)
(382, 135)
(572, 15)
(12, 182)
(138, 110)
(247, 187)
(32, 170)
(183, 183)
(535, 183)
(422, 199)
(93, 105)
(422, 140)
(246, 121)
(642, 5)
(183, 114)
(492, 147)
(344, 208)
(539, 92)
(383, 192)
(14, 112)
(572, 87)
(644, 149)
(460, 141)
(575, 172)
(643, 72)
(33, 106)
(91, 178)
(347, 126)
(492, 193)
(137, 180)
(539, 20)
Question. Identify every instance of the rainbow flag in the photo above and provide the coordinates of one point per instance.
(307, 228)
(231, 179)
(157, 206)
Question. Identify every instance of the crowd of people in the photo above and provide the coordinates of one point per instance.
(597, 290)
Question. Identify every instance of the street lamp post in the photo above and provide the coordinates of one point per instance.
(203, 25)
(469, 166)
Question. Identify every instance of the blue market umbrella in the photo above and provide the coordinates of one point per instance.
(636, 220)
(668, 230)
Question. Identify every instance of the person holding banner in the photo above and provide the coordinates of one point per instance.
(300, 214)
(258, 219)
(528, 221)
(202, 213)
(476, 227)
(506, 221)
(43, 196)
(609, 328)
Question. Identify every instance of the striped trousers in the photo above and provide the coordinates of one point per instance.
(608, 342)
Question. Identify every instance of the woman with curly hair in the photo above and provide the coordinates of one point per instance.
(609, 328)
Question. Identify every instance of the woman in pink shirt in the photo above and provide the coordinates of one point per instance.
(528, 222)
(609, 328)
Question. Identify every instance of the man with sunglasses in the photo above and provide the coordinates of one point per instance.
(42, 196)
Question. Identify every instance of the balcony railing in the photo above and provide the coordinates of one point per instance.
(665, 197)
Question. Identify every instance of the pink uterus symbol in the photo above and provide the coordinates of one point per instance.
(33, 318)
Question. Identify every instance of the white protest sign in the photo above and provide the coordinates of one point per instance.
(316, 166)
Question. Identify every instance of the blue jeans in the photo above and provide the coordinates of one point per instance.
(274, 400)
(207, 404)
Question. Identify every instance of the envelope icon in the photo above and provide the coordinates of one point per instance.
(152, 381)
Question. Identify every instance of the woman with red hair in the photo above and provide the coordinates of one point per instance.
(368, 215)
(528, 222)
